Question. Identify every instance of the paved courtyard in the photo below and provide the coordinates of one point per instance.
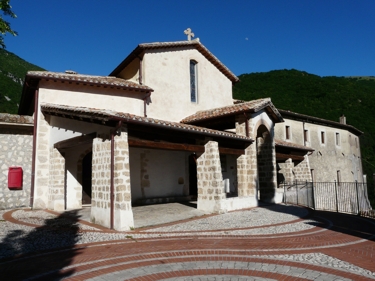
(275, 242)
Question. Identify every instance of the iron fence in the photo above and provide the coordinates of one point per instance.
(343, 197)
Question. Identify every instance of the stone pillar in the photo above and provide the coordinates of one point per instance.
(42, 164)
(56, 200)
(266, 168)
(210, 180)
(287, 170)
(247, 173)
(123, 214)
(101, 175)
(302, 171)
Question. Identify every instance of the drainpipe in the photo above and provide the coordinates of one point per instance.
(36, 101)
(145, 104)
(140, 78)
(112, 187)
(246, 124)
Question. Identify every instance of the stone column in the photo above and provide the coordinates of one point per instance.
(287, 170)
(56, 200)
(247, 173)
(210, 180)
(123, 214)
(302, 171)
(101, 175)
(42, 164)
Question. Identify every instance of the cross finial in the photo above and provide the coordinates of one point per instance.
(189, 34)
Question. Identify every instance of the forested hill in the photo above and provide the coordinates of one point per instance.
(12, 74)
(324, 97)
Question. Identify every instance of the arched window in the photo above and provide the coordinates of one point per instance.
(193, 81)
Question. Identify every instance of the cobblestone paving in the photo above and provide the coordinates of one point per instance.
(267, 243)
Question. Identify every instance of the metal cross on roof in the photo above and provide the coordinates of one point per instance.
(189, 34)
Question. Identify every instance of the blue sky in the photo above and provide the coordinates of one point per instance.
(323, 37)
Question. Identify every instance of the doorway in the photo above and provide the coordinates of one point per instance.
(86, 178)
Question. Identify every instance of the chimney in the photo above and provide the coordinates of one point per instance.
(342, 119)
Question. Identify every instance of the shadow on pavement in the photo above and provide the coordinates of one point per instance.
(357, 226)
(58, 232)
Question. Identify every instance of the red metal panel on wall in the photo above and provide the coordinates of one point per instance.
(15, 175)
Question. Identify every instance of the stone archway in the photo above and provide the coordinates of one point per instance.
(266, 165)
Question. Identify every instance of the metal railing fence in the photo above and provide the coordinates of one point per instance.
(343, 197)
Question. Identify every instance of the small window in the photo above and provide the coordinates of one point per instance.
(306, 135)
(337, 138)
(356, 142)
(287, 132)
(338, 177)
(312, 175)
(193, 81)
(322, 137)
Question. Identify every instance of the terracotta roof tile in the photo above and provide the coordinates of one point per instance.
(106, 115)
(317, 120)
(250, 106)
(292, 145)
(16, 119)
(167, 45)
(90, 79)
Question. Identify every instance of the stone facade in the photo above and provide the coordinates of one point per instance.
(16, 145)
(56, 181)
(210, 180)
(101, 181)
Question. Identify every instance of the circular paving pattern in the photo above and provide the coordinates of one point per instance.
(274, 243)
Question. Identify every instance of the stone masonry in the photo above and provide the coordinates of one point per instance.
(101, 176)
(57, 181)
(16, 144)
(123, 214)
(210, 180)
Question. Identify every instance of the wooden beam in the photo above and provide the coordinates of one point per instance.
(282, 156)
(75, 141)
(179, 146)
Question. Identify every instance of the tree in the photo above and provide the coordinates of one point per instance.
(4, 25)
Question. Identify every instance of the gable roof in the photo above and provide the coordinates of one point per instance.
(104, 81)
(177, 44)
(250, 106)
(109, 115)
(33, 77)
(319, 121)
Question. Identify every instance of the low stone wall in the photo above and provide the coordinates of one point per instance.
(16, 143)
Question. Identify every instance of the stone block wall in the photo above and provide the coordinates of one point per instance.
(210, 180)
(302, 171)
(247, 172)
(266, 169)
(56, 181)
(101, 175)
(16, 145)
(123, 214)
(42, 164)
(286, 169)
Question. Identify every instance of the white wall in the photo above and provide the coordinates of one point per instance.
(91, 97)
(156, 173)
(167, 72)
(328, 157)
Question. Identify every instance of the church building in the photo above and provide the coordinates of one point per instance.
(163, 127)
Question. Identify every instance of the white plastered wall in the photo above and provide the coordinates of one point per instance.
(167, 72)
(328, 157)
(91, 97)
(157, 173)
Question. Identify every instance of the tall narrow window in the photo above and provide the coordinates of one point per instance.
(337, 138)
(193, 81)
(322, 137)
(338, 177)
(306, 135)
(287, 132)
(312, 175)
(356, 142)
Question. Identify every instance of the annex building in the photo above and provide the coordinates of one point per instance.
(163, 127)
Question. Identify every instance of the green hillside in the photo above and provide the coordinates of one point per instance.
(324, 97)
(12, 74)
